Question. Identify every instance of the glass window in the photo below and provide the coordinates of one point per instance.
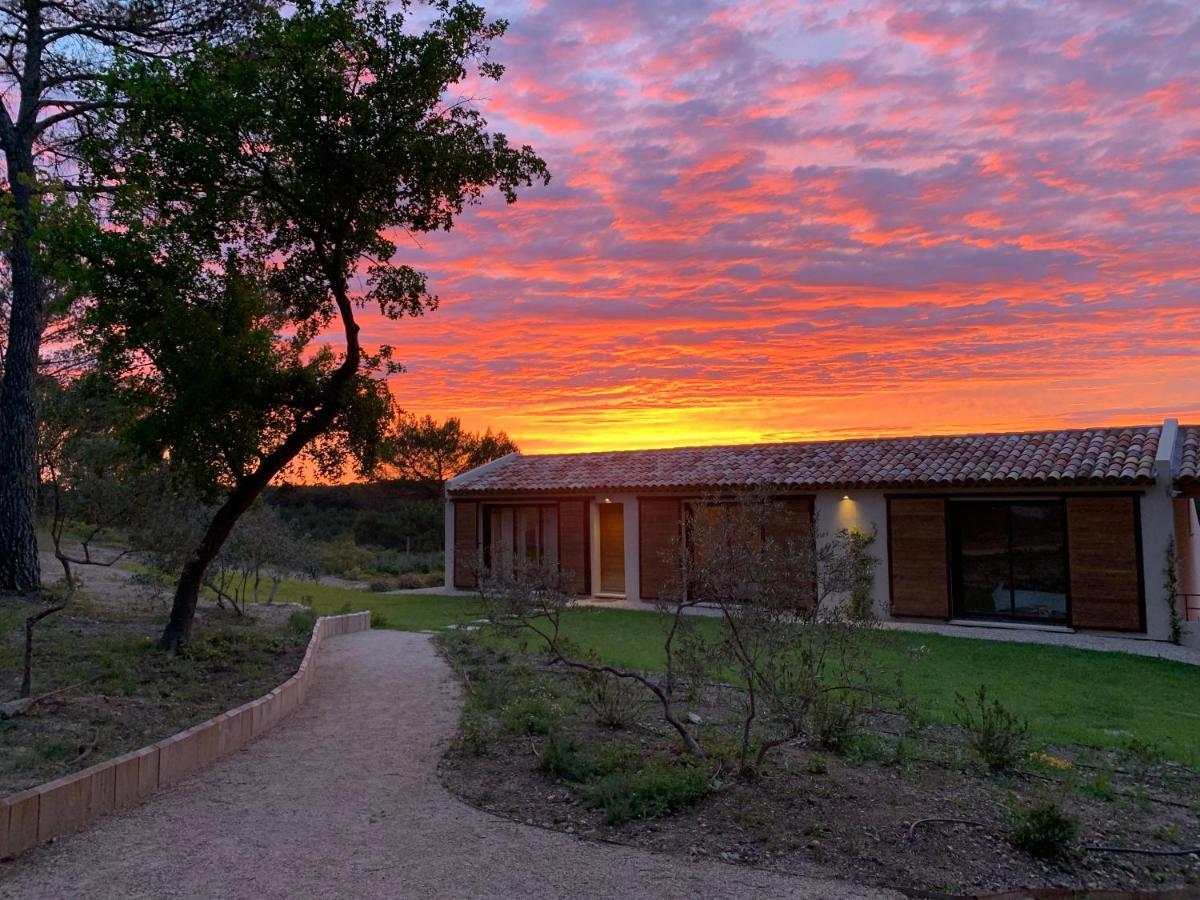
(1009, 559)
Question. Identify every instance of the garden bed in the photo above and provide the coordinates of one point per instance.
(107, 690)
(875, 809)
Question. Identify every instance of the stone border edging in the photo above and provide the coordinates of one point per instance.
(66, 804)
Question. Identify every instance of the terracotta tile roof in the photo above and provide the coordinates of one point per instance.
(1115, 456)
(1189, 455)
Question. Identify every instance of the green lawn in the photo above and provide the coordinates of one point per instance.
(1068, 696)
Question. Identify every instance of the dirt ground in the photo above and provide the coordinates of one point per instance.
(866, 814)
(341, 801)
(105, 690)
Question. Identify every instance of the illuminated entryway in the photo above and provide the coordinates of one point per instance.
(612, 548)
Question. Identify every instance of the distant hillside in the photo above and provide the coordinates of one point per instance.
(396, 515)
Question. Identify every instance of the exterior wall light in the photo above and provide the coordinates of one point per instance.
(845, 496)
(608, 500)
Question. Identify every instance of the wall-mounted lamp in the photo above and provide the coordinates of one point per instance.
(845, 496)
(607, 500)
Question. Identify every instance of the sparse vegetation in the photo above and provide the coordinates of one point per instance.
(1043, 831)
(994, 732)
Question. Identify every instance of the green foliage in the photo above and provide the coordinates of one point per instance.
(656, 790)
(1100, 787)
(562, 758)
(1171, 593)
(475, 731)
(834, 721)
(530, 714)
(430, 452)
(862, 572)
(994, 732)
(1044, 830)
(302, 622)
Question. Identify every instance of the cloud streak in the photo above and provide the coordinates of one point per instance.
(850, 218)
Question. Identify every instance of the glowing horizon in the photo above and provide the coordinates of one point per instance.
(861, 218)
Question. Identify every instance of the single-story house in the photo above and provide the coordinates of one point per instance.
(1049, 529)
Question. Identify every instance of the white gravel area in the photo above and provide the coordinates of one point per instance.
(342, 800)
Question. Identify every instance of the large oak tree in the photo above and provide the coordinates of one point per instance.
(264, 185)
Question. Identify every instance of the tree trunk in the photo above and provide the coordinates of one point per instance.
(19, 568)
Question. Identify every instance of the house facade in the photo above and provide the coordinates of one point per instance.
(1057, 529)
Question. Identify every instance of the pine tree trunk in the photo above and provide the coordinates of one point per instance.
(19, 568)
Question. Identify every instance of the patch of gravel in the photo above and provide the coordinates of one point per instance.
(343, 801)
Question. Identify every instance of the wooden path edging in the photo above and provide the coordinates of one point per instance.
(66, 804)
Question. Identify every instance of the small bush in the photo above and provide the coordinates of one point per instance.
(834, 723)
(378, 619)
(530, 714)
(301, 623)
(614, 702)
(562, 758)
(1044, 831)
(475, 732)
(994, 732)
(657, 790)
(817, 764)
(1100, 787)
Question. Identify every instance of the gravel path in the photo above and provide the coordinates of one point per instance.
(342, 801)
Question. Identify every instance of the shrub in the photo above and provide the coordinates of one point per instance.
(614, 702)
(475, 731)
(530, 714)
(1044, 831)
(562, 758)
(301, 623)
(378, 619)
(833, 723)
(648, 793)
(994, 733)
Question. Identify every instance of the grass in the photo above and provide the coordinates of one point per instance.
(1091, 698)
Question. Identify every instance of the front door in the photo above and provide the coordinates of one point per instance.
(612, 548)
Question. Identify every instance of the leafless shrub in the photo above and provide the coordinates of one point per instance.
(782, 593)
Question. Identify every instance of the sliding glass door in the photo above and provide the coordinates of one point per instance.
(1009, 559)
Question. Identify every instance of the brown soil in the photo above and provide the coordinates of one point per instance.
(851, 815)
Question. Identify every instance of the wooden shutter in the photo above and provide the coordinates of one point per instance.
(573, 544)
(917, 557)
(658, 533)
(1102, 551)
(466, 543)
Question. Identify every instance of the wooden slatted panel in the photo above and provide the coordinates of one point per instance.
(573, 544)
(612, 548)
(917, 557)
(466, 543)
(1103, 558)
(658, 533)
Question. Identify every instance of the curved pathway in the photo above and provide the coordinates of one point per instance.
(342, 800)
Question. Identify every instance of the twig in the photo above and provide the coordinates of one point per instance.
(913, 827)
(86, 752)
(61, 690)
(1186, 852)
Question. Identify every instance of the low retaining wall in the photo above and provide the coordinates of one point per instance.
(66, 804)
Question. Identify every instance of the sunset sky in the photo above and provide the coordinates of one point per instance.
(775, 220)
